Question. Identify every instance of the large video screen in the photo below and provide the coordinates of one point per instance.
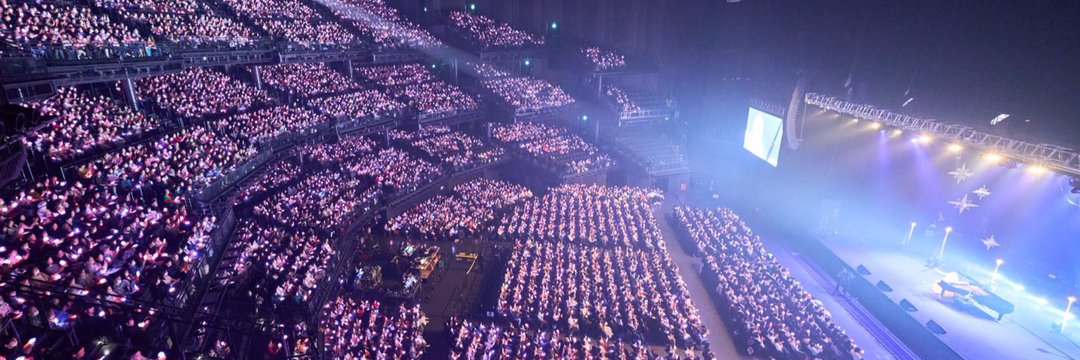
(763, 134)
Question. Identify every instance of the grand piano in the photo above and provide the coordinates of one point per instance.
(978, 293)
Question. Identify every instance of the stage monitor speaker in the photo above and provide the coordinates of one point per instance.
(881, 285)
(908, 306)
(863, 270)
(935, 328)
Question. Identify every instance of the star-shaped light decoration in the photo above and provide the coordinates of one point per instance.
(982, 192)
(963, 204)
(961, 173)
(990, 242)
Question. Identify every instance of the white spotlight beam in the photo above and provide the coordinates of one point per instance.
(1056, 157)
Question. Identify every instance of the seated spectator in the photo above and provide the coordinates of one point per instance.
(603, 60)
(488, 33)
(306, 79)
(767, 310)
(436, 98)
(85, 123)
(396, 75)
(198, 92)
(445, 217)
(258, 126)
(638, 294)
(552, 147)
(37, 25)
(598, 215)
(357, 105)
(176, 164)
(388, 29)
(345, 150)
(395, 171)
(526, 94)
(193, 29)
(367, 329)
(458, 150)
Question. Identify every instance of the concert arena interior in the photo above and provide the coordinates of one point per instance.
(539, 179)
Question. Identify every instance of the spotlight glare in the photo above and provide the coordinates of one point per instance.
(875, 125)
(956, 148)
(1018, 287)
(1042, 301)
(925, 139)
(992, 157)
(1037, 169)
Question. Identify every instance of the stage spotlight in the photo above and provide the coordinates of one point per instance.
(1018, 287)
(896, 132)
(1037, 169)
(1042, 301)
(956, 148)
(925, 139)
(875, 125)
(992, 157)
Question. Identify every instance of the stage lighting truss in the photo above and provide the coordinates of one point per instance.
(1051, 156)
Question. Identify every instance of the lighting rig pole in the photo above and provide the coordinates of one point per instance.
(909, 233)
(1068, 309)
(945, 240)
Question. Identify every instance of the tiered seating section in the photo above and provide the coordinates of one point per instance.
(85, 124)
(458, 150)
(588, 260)
(420, 89)
(463, 212)
(487, 33)
(294, 22)
(603, 59)
(306, 79)
(651, 149)
(763, 305)
(528, 96)
(382, 24)
(553, 147)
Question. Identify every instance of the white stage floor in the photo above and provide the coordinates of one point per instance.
(1024, 334)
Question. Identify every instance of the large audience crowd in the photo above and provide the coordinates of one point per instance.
(619, 292)
(477, 340)
(553, 147)
(488, 33)
(395, 171)
(459, 150)
(199, 92)
(396, 75)
(381, 23)
(259, 126)
(369, 329)
(276, 175)
(293, 21)
(437, 98)
(357, 105)
(345, 149)
(590, 214)
(278, 264)
(175, 164)
(84, 123)
(465, 212)
(28, 25)
(193, 29)
(306, 79)
(321, 201)
(767, 310)
(76, 238)
(603, 60)
(160, 6)
(527, 94)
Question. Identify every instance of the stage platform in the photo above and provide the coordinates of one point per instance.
(1025, 334)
